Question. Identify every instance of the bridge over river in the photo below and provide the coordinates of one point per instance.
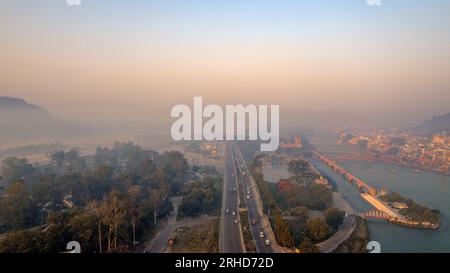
(350, 177)
(368, 193)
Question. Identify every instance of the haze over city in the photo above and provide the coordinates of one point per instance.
(324, 62)
(250, 128)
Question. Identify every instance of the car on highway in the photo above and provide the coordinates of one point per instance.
(248, 196)
(172, 239)
(261, 234)
(236, 221)
(227, 211)
(253, 221)
(233, 213)
(267, 243)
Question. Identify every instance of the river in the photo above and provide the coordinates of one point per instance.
(429, 189)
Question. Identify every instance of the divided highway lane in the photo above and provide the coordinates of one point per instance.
(344, 232)
(231, 239)
(255, 212)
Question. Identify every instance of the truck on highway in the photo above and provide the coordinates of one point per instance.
(172, 239)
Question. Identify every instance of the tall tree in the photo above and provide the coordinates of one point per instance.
(14, 168)
(282, 231)
(297, 167)
(317, 230)
(157, 198)
(95, 207)
(16, 205)
(334, 217)
(57, 159)
(134, 208)
(113, 213)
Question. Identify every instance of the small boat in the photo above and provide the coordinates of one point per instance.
(371, 171)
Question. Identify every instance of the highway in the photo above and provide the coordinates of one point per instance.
(344, 232)
(231, 239)
(255, 208)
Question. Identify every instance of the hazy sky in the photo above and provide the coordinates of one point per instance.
(133, 60)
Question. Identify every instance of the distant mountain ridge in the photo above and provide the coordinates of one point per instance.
(15, 102)
(20, 120)
(18, 104)
(435, 125)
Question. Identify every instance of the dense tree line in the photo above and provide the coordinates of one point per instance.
(317, 230)
(414, 211)
(106, 201)
(334, 217)
(201, 197)
(313, 196)
(300, 171)
(297, 167)
(281, 229)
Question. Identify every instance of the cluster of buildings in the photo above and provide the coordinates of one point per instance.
(294, 142)
(210, 147)
(287, 185)
(323, 181)
(429, 153)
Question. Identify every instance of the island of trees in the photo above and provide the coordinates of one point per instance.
(410, 209)
(290, 211)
